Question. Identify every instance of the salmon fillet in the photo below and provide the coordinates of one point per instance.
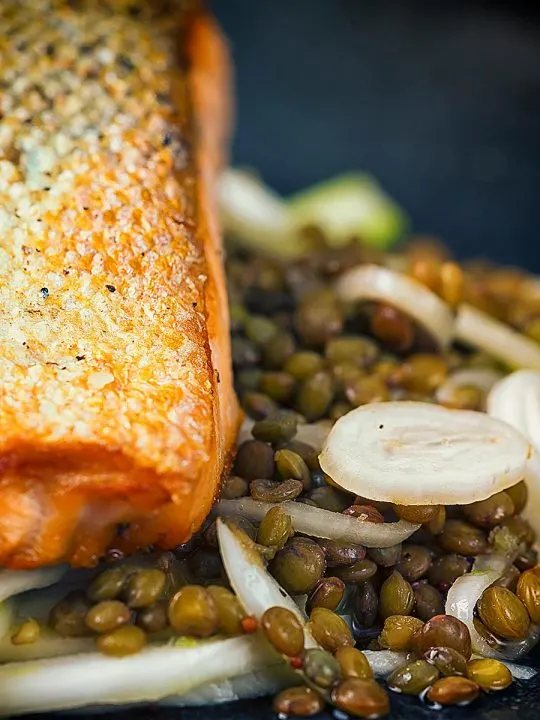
(117, 410)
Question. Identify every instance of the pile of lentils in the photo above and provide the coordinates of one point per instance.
(300, 356)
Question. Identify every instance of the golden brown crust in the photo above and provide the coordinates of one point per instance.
(113, 327)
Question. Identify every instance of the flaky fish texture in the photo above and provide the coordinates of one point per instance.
(117, 410)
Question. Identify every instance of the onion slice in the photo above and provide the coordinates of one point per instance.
(150, 675)
(476, 328)
(254, 586)
(516, 400)
(461, 601)
(372, 282)
(323, 523)
(414, 453)
(256, 216)
(13, 582)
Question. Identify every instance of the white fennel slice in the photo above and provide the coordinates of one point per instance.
(374, 283)
(516, 400)
(414, 453)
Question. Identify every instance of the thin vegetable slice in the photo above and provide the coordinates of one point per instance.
(372, 282)
(414, 453)
(13, 582)
(153, 674)
(323, 523)
(256, 216)
(516, 400)
(351, 205)
(479, 330)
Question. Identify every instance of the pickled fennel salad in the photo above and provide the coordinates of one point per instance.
(377, 533)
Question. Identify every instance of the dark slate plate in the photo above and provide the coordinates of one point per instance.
(441, 101)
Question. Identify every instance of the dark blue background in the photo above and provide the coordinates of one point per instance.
(441, 101)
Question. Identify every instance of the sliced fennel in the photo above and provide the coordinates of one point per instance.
(351, 205)
(415, 453)
(366, 283)
(479, 330)
(323, 523)
(346, 207)
(516, 400)
(153, 674)
(14, 582)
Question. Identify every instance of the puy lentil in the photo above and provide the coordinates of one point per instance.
(490, 512)
(284, 631)
(291, 465)
(299, 566)
(275, 492)
(303, 364)
(254, 459)
(366, 605)
(329, 629)
(144, 587)
(528, 591)
(419, 514)
(415, 562)
(258, 406)
(107, 585)
(447, 660)
(298, 702)
(413, 678)
(396, 596)
(278, 385)
(364, 513)
(398, 631)
(366, 389)
(361, 698)
(428, 601)
(68, 616)
(526, 559)
(446, 569)
(328, 498)
(153, 618)
(275, 528)
(359, 572)
(341, 554)
(192, 611)
(361, 351)
(126, 640)
(453, 691)
(280, 427)
(393, 328)
(443, 631)
(107, 615)
(328, 593)
(278, 350)
(461, 537)
(503, 613)
(321, 668)
(489, 674)
(315, 395)
(385, 557)
(353, 663)
(234, 487)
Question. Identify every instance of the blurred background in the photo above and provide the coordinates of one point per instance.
(439, 101)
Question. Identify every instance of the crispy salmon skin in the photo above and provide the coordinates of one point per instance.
(117, 411)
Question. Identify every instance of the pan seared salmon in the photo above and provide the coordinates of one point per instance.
(117, 411)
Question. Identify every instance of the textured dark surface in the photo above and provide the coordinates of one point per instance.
(441, 101)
